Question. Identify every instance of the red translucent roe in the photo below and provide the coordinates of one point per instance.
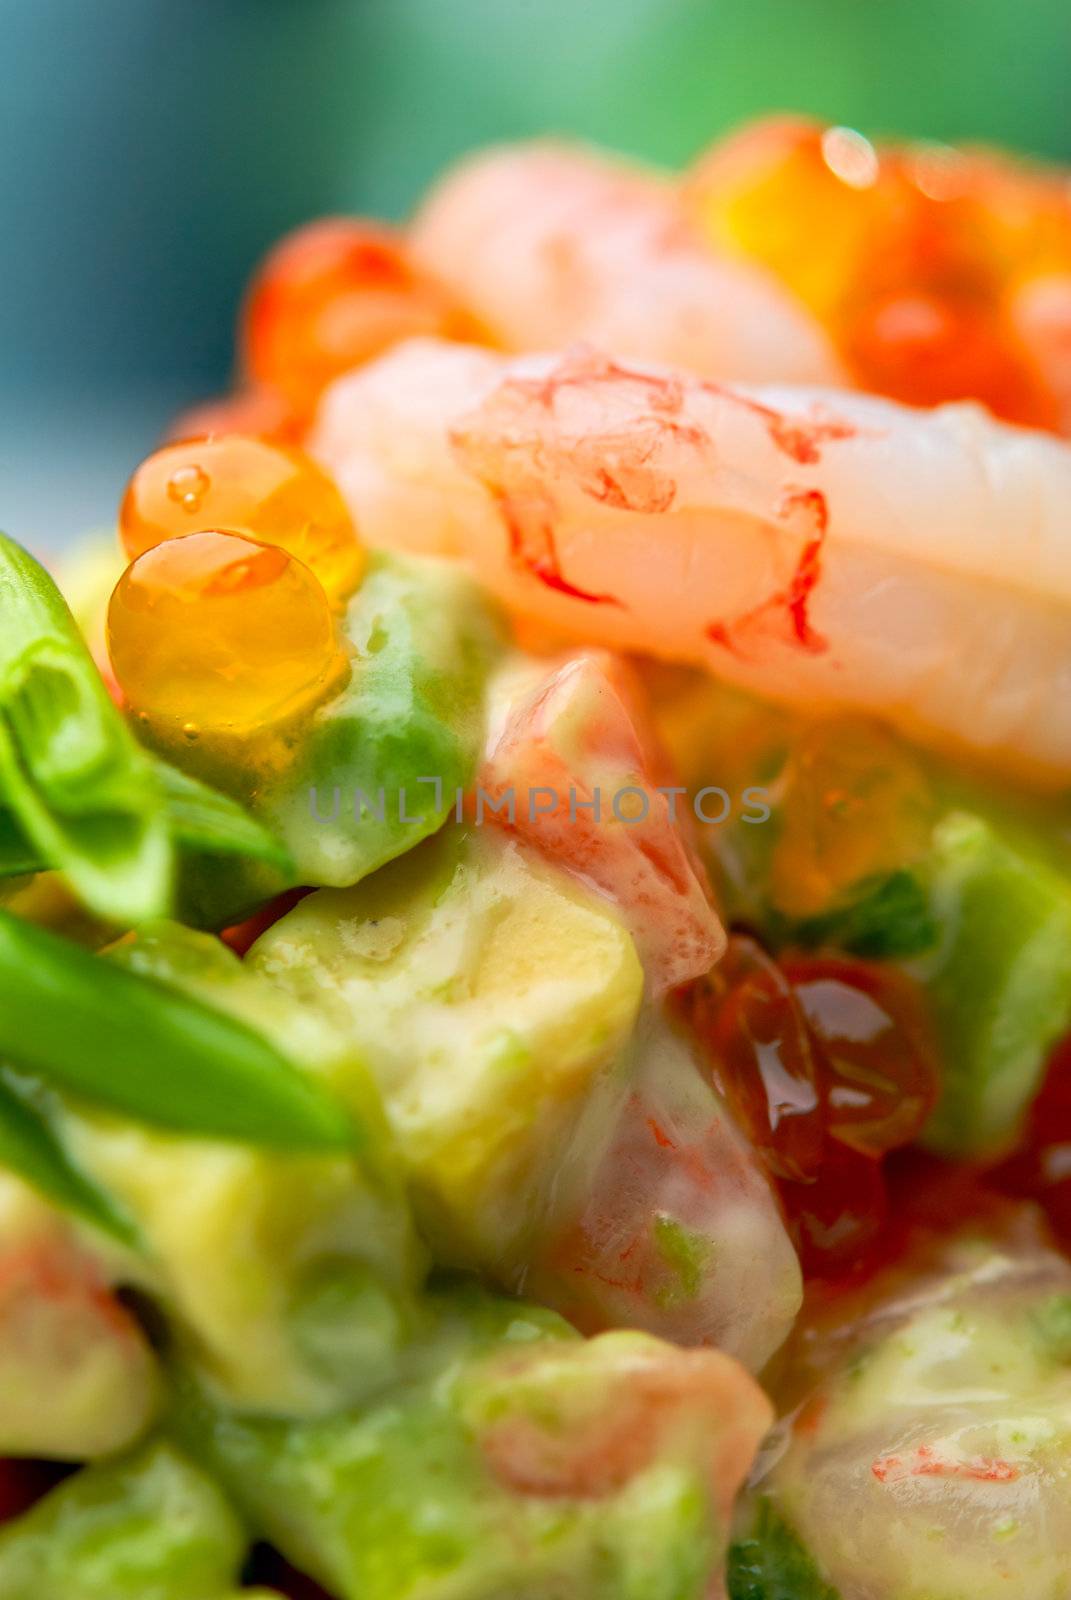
(876, 1058)
(214, 633)
(332, 296)
(916, 257)
(766, 1059)
(273, 493)
(1041, 1169)
(837, 1220)
(827, 1065)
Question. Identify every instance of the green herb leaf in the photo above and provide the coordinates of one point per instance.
(206, 822)
(71, 775)
(770, 1563)
(17, 854)
(202, 823)
(143, 1049)
(890, 917)
(29, 1148)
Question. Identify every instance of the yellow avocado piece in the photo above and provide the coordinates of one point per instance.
(486, 991)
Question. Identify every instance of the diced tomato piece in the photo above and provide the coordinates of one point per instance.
(243, 935)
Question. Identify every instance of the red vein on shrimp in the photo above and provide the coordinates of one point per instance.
(538, 555)
(926, 1463)
(795, 597)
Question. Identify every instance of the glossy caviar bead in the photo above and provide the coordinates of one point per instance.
(272, 492)
(774, 182)
(837, 1219)
(213, 633)
(856, 806)
(333, 295)
(876, 1060)
(915, 257)
(763, 1058)
(827, 1065)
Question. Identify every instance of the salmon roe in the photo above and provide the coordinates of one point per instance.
(856, 805)
(924, 261)
(333, 295)
(214, 633)
(828, 1065)
(272, 492)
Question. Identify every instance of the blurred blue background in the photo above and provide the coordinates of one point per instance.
(150, 150)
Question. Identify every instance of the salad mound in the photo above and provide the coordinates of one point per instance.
(535, 914)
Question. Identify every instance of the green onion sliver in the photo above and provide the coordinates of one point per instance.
(141, 1048)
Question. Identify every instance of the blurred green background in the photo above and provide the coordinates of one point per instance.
(151, 149)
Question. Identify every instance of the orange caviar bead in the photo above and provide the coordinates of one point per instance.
(213, 633)
(913, 256)
(856, 805)
(796, 197)
(335, 294)
(273, 492)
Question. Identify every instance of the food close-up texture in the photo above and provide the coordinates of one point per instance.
(535, 908)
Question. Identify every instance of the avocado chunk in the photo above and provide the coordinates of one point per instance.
(517, 1462)
(377, 767)
(999, 984)
(248, 1249)
(150, 1526)
(488, 992)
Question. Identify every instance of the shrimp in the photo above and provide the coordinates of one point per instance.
(558, 1422)
(77, 1376)
(832, 549)
(923, 1447)
(661, 1217)
(550, 243)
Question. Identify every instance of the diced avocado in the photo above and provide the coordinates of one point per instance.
(999, 985)
(439, 1491)
(248, 1249)
(149, 1527)
(377, 767)
(487, 990)
(768, 1562)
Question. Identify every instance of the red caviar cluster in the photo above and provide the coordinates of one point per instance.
(828, 1065)
(329, 297)
(942, 273)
